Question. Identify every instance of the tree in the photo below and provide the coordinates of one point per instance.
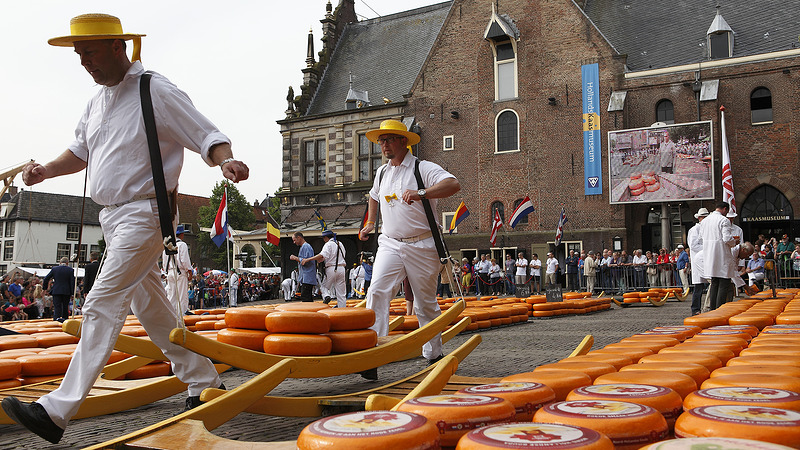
(240, 217)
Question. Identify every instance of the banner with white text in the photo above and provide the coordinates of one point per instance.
(592, 166)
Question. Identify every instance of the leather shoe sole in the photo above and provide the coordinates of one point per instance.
(33, 417)
(369, 374)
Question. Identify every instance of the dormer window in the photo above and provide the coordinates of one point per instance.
(719, 38)
(503, 35)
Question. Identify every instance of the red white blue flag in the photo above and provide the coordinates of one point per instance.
(727, 174)
(219, 230)
(522, 210)
(560, 230)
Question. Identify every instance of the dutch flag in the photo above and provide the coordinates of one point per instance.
(523, 209)
(219, 230)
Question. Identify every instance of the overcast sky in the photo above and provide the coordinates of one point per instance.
(235, 59)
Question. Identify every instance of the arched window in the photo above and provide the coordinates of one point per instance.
(498, 206)
(766, 202)
(665, 112)
(761, 106)
(516, 203)
(507, 131)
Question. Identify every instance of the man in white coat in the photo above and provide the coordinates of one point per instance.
(695, 242)
(179, 271)
(718, 241)
(332, 254)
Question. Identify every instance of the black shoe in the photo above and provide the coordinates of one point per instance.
(369, 374)
(193, 401)
(326, 300)
(435, 360)
(33, 417)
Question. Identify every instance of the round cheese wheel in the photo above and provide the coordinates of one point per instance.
(550, 436)
(706, 320)
(10, 383)
(715, 443)
(723, 354)
(711, 362)
(53, 338)
(699, 373)
(778, 426)
(370, 429)
(560, 381)
(754, 380)
(734, 347)
(297, 344)
(628, 425)
(757, 320)
(618, 361)
(771, 339)
(742, 369)
(634, 353)
(653, 346)
(593, 369)
(343, 319)
(772, 350)
(248, 318)
(157, 369)
(205, 324)
(298, 322)
(455, 415)
(753, 396)
(9, 369)
(41, 365)
(117, 356)
(302, 306)
(686, 331)
(653, 187)
(678, 382)
(245, 338)
(664, 400)
(35, 380)
(698, 339)
(751, 330)
(668, 341)
(352, 340)
(636, 192)
(766, 359)
(725, 332)
(17, 341)
(411, 323)
(220, 324)
(526, 397)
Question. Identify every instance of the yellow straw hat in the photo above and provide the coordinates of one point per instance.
(393, 127)
(92, 27)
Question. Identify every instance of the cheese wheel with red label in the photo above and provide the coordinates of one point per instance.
(245, 338)
(526, 397)
(9, 369)
(560, 381)
(298, 322)
(297, 344)
(754, 380)
(42, 365)
(715, 443)
(367, 430)
(550, 436)
(455, 415)
(248, 318)
(744, 369)
(711, 362)
(753, 396)
(352, 340)
(593, 369)
(778, 426)
(678, 382)
(344, 319)
(618, 361)
(662, 399)
(699, 373)
(628, 425)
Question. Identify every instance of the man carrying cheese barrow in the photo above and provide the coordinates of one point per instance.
(406, 246)
(111, 143)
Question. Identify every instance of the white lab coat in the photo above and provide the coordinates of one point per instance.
(717, 235)
(695, 242)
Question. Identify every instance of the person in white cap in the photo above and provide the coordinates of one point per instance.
(333, 255)
(111, 143)
(718, 240)
(695, 242)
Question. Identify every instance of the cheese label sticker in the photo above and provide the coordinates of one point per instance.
(534, 435)
(367, 424)
(748, 415)
(749, 394)
(623, 390)
(454, 400)
(598, 409)
(510, 386)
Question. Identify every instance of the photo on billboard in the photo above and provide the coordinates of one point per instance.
(661, 163)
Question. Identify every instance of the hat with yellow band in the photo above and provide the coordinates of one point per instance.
(92, 27)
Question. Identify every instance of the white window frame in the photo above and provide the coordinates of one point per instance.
(497, 63)
(496, 118)
(447, 216)
(451, 147)
(75, 233)
(8, 245)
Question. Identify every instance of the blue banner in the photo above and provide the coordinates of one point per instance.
(592, 166)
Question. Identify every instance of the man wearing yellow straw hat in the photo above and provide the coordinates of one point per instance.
(406, 245)
(111, 144)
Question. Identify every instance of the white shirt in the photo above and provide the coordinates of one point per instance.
(522, 265)
(494, 270)
(536, 267)
(234, 280)
(716, 233)
(552, 264)
(641, 259)
(695, 242)
(328, 253)
(483, 266)
(181, 259)
(401, 220)
(111, 136)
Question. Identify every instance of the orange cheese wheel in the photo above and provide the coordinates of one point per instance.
(757, 320)
(43, 379)
(17, 341)
(352, 340)
(699, 373)
(343, 319)
(751, 396)
(10, 383)
(248, 318)
(742, 369)
(298, 322)
(220, 325)
(778, 426)
(662, 399)
(192, 319)
(205, 325)
(455, 415)
(14, 353)
(240, 337)
(366, 430)
(41, 365)
(157, 369)
(560, 381)
(302, 306)
(53, 338)
(634, 353)
(678, 382)
(9, 368)
(686, 331)
(410, 323)
(593, 369)
(668, 341)
(772, 350)
(716, 443)
(766, 359)
(550, 436)
(767, 339)
(628, 425)
(722, 332)
(706, 320)
(754, 380)
(618, 361)
(723, 354)
(733, 346)
(297, 344)
(526, 397)
(117, 356)
(751, 330)
(711, 362)
(653, 346)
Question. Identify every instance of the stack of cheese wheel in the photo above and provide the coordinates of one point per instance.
(550, 436)
(561, 381)
(246, 328)
(38, 368)
(664, 400)
(9, 371)
(628, 425)
(716, 443)
(455, 415)
(751, 396)
(369, 430)
(779, 426)
(297, 333)
(578, 305)
(636, 185)
(526, 397)
(349, 329)
(651, 183)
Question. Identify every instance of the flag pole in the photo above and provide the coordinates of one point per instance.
(228, 253)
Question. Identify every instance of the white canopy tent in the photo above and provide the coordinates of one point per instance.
(41, 273)
(262, 270)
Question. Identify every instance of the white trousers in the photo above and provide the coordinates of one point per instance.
(129, 279)
(395, 261)
(233, 296)
(286, 285)
(178, 290)
(335, 285)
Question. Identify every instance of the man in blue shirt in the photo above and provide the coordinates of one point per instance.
(308, 270)
(15, 288)
(755, 270)
(683, 259)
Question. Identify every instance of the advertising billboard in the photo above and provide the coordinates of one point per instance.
(661, 163)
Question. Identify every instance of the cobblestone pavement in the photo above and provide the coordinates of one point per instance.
(504, 351)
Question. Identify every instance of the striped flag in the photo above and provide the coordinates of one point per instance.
(496, 224)
(727, 175)
(273, 235)
(522, 210)
(322, 223)
(219, 229)
(461, 214)
(560, 230)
